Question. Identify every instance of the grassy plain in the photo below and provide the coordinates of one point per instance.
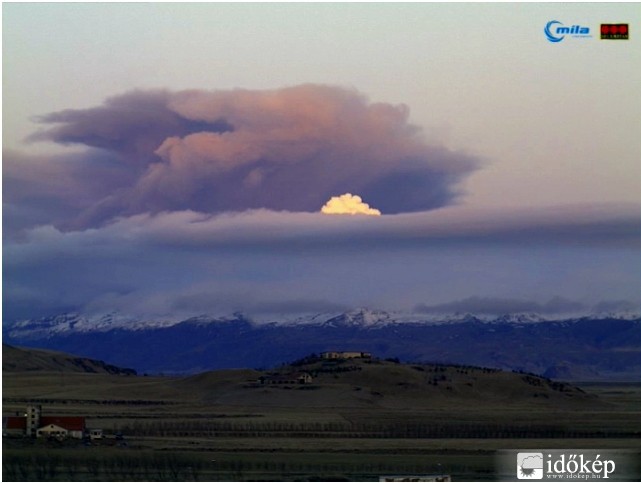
(350, 425)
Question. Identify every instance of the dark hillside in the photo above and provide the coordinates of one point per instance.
(371, 383)
(16, 359)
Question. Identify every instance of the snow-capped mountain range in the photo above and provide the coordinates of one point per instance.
(360, 317)
(593, 346)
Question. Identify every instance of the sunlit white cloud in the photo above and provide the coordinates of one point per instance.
(348, 204)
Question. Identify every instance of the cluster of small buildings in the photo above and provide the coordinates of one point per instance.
(345, 355)
(293, 378)
(306, 378)
(35, 425)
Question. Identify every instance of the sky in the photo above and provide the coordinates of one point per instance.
(171, 160)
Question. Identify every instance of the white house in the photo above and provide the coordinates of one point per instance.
(52, 430)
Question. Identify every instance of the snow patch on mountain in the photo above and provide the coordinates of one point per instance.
(525, 318)
(65, 323)
(624, 315)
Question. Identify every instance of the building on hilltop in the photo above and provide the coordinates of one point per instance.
(345, 355)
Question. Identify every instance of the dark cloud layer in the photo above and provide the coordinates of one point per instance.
(54, 189)
(133, 124)
(288, 149)
(270, 262)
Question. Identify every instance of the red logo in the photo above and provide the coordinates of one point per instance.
(614, 31)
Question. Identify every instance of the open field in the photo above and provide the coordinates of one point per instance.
(199, 427)
(172, 459)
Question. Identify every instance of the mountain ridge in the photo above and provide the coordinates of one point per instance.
(74, 322)
(598, 347)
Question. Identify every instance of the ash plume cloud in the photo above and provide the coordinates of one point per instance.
(288, 149)
(133, 124)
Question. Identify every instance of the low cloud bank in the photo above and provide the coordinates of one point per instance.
(498, 306)
(557, 306)
(265, 261)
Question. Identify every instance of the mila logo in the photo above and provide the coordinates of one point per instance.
(555, 31)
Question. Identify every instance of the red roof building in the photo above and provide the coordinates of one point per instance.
(15, 423)
(73, 426)
(70, 423)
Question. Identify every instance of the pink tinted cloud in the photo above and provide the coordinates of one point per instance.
(285, 149)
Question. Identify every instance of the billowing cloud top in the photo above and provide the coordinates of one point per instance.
(348, 204)
(288, 149)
